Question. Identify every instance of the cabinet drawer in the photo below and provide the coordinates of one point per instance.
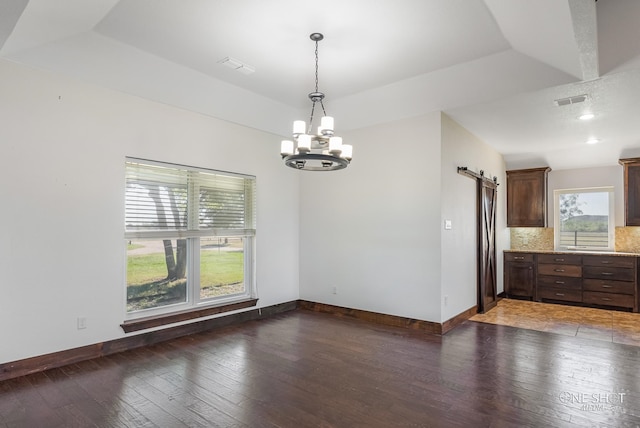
(612, 261)
(609, 299)
(607, 286)
(557, 259)
(560, 294)
(563, 282)
(618, 274)
(560, 270)
(518, 257)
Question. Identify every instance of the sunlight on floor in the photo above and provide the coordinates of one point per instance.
(588, 323)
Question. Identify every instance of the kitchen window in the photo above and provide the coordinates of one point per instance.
(189, 236)
(584, 219)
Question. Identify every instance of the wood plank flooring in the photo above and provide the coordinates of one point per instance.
(306, 369)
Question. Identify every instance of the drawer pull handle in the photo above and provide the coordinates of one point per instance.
(518, 258)
(560, 270)
(605, 262)
(606, 299)
(559, 282)
(559, 260)
(607, 286)
(607, 273)
(559, 294)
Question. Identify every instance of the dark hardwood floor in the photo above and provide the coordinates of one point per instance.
(305, 369)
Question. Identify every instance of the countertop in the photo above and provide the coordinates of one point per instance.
(579, 252)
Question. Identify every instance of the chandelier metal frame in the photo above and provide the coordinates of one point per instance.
(322, 151)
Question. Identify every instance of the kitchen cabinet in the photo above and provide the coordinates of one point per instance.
(519, 275)
(610, 281)
(631, 191)
(527, 197)
(559, 277)
(576, 278)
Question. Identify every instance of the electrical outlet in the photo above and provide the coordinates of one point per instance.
(446, 300)
(334, 290)
(82, 323)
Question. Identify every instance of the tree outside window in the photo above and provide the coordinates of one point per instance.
(189, 236)
(584, 218)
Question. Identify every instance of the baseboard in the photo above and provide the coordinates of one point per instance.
(391, 320)
(58, 359)
(452, 323)
(70, 356)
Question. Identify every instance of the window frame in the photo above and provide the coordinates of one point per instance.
(192, 234)
(611, 218)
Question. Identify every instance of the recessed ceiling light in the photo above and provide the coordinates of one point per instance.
(587, 116)
(593, 141)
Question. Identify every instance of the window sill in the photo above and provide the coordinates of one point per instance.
(160, 320)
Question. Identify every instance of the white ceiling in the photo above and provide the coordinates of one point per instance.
(495, 66)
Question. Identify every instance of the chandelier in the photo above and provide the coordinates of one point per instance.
(322, 151)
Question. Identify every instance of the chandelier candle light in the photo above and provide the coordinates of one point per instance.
(322, 151)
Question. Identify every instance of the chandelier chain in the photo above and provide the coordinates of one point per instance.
(316, 66)
(314, 103)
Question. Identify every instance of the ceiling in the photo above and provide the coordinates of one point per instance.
(494, 66)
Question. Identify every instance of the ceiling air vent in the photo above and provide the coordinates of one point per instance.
(571, 100)
(237, 65)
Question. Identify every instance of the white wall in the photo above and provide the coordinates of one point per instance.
(62, 151)
(588, 177)
(373, 230)
(459, 245)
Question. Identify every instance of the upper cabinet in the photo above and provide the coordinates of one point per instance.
(527, 197)
(631, 191)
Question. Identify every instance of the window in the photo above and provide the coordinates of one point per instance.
(584, 219)
(189, 234)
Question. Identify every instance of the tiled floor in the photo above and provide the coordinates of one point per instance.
(589, 323)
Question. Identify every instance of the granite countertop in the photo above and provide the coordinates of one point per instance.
(579, 252)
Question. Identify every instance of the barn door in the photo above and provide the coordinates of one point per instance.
(487, 272)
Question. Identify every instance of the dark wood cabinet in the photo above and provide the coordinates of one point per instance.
(559, 277)
(631, 191)
(610, 281)
(527, 197)
(582, 278)
(519, 274)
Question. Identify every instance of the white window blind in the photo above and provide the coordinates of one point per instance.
(184, 201)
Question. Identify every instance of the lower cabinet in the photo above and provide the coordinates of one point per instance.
(610, 281)
(593, 280)
(559, 277)
(519, 275)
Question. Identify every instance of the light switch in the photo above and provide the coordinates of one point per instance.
(447, 224)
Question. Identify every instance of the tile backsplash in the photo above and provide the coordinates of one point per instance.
(628, 239)
(532, 238)
(541, 239)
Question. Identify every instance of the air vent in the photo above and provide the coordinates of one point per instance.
(571, 100)
(237, 65)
